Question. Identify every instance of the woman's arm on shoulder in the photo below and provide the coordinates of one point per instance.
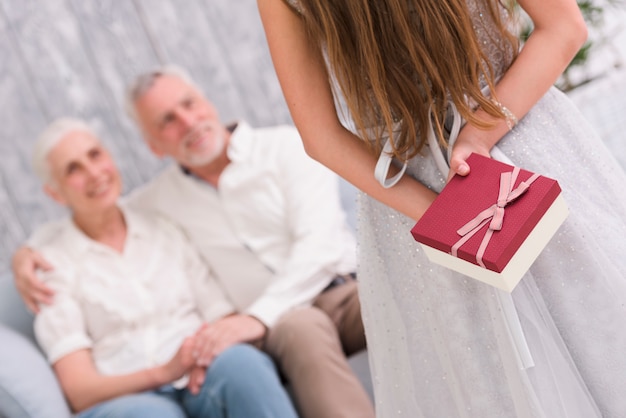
(559, 32)
(304, 80)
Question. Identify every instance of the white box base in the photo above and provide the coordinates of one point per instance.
(521, 260)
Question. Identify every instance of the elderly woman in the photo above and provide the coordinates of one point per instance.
(131, 293)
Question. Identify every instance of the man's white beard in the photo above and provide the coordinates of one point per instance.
(210, 151)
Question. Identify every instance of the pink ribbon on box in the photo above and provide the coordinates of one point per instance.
(493, 214)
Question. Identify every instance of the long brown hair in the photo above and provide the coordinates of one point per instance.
(393, 59)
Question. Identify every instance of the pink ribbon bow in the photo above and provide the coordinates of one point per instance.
(494, 214)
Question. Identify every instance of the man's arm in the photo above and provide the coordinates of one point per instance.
(321, 241)
(214, 338)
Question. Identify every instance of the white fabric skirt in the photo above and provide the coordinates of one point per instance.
(440, 343)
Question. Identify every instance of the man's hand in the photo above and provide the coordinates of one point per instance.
(33, 291)
(212, 339)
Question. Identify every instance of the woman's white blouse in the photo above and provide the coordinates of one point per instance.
(133, 309)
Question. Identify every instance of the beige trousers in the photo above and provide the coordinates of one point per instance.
(310, 346)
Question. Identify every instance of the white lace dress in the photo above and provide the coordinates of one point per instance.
(442, 346)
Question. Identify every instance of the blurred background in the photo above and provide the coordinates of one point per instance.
(74, 58)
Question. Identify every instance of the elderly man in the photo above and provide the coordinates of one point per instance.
(131, 295)
(268, 221)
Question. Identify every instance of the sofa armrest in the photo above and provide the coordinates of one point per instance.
(28, 387)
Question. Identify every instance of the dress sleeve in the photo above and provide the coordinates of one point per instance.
(295, 4)
(60, 327)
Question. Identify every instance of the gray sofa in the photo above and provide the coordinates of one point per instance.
(28, 387)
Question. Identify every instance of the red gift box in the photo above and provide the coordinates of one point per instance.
(493, 223)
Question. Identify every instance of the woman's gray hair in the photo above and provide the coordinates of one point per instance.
(143, 82)
(49, 138)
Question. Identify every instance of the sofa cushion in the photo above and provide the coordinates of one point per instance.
(28, 387)
(13, 312)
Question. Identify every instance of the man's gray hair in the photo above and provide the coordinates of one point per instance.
(49, 138)
(143, 82)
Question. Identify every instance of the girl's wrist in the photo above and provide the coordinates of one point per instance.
(509, 117)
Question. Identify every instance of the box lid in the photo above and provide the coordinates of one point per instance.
(464, 198)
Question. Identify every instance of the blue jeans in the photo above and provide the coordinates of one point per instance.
(242, 382)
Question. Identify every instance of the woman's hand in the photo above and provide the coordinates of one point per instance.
(84, 386)
(182, 362)
(196, 379)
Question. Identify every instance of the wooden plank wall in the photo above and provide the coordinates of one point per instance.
(74, 57)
